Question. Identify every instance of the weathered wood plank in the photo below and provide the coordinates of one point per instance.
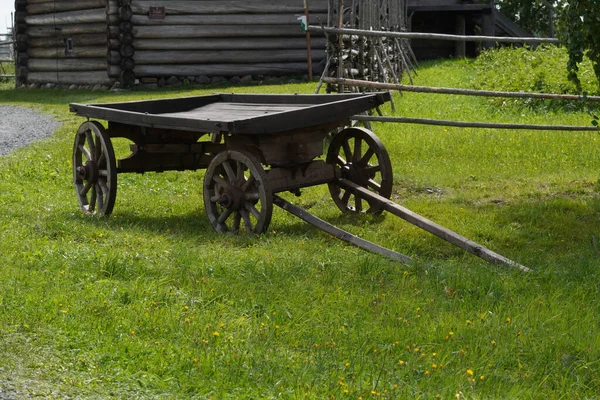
(432, 227)
(97, 39)
(221, 57)
(228, 7)
(339, 233)
(61, 6)
(226, 19)
(76, 78)
(66, 64)
(69, 17)
(59, 52)
(215, 31)
(228, 44)
(65, 30)
(220, 69)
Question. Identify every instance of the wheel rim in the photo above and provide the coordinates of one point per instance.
(94, 169)
(361, 158)
(237, 196)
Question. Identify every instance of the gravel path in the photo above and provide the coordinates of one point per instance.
(20, 126)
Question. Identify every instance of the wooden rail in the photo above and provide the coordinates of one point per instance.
(434, 36)
(463, 92)
(461, 124)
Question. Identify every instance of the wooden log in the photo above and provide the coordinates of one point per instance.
(432, 227)
(113, 57)
(225, 19)
(66, 30)
(62, 6)
(113, 32)
(114, 44)
(127, 78)
(127, 63)
(220, 69)
(125, 26)
(97, 39)
(229, 44)
(125, 13)
(66, 64)
(214, 31)
(227, 7)
(113, 71)
(59, 52)
(339, 233)
(463, 92)
(126, 50)
(71, 77)
(221, 57)
(96, 15)
(125, 38)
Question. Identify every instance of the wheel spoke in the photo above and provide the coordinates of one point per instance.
(239, 171)
(347, 150)
(346, 196)
(236, 222)
(223, 217)
(358, 203)
(218, 179)
(374, 185)
(247, 222)
(248, 183)
(100, 194)
(93, 197)
(85, 152)
(91, 144)
(230, 174)
(364, 161)
(372, 170)
(357, 149)
(101, 159)
(84, 191)
(253, 210)
(340, 161)
(252, 196)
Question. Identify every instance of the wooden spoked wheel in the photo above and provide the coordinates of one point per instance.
(362, 158)
(237, 194)
(94, 169)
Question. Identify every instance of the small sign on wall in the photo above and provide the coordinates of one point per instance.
(156, 12)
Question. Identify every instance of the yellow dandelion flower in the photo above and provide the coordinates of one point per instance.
(481, 378)
(216, 334)
(427, 372)
(469, 372)
(433, 366)
(132, 332)
(347, 365)
(401, 362)
(507, 320)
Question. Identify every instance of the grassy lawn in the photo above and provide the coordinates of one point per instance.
(152, 303)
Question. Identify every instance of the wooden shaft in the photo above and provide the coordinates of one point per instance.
(433, 36)
(461, 124)
(464, 92)
(308, 45)
(339, 233)
(431, 227)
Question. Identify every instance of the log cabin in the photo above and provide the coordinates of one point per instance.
(462, 17)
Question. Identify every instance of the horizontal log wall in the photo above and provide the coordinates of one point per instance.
(117, 40)
(223, 38)
(66, 42)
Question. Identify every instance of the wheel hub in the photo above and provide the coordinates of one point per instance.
(356, 174)
(232, 198)
(88, 171)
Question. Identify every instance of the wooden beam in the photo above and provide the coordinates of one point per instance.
(227, 7)
(220, 69)
(68, 64)
(339, 233)
(431, 227)
(65, 30)
(153, 57)
(215, 31)
(60, 6)
(76, 78)
(228, 44)
(97, 15)
(225, 19)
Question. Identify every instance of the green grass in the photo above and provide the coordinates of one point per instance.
(152, 303)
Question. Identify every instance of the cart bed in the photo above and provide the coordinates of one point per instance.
(237, 114)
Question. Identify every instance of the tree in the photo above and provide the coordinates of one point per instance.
(535, 16)
(582, 35)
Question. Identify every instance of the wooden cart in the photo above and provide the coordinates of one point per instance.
(252, 147)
